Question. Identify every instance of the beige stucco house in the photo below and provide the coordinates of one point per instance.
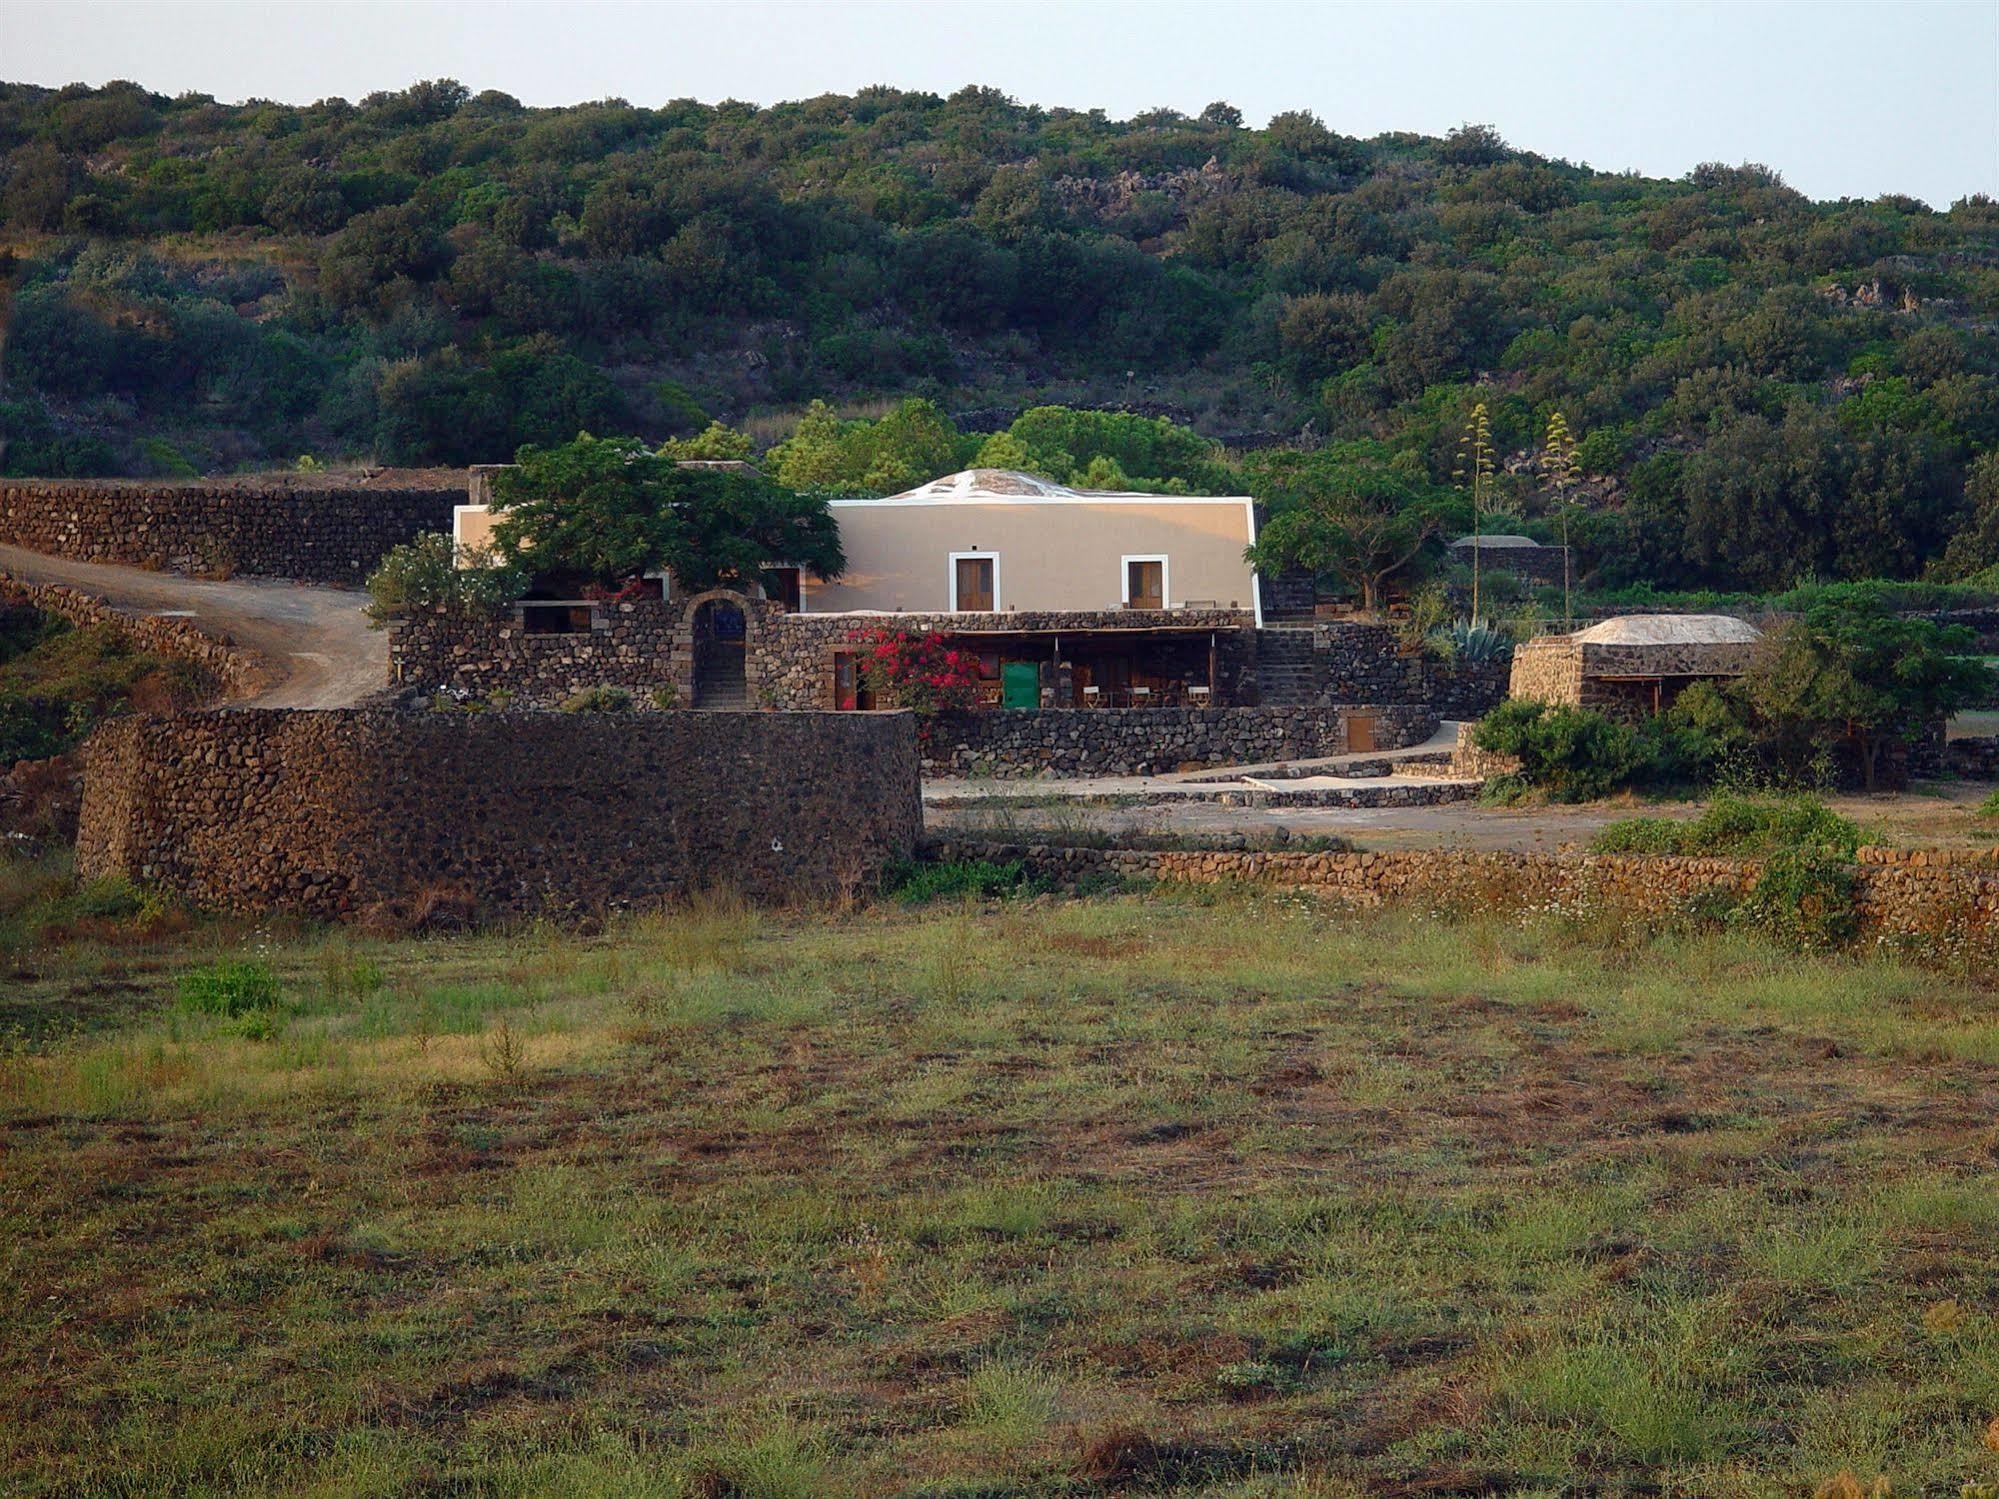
(990, 541)
(993, 541)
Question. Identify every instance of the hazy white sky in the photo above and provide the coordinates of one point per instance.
(1844, 99)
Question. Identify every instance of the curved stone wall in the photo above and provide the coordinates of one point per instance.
(332, 813)
(315, 531)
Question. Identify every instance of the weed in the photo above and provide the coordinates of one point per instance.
(231, 988)
(917, 883)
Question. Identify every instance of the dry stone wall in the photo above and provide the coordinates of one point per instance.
(337, 813)
(1356, 661)
(1915, 892)
(1152, 741)
(236, 670)
(315, 532)
(644, 645)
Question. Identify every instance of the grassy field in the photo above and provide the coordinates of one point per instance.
(1126, 1195)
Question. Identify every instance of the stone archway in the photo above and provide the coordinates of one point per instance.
(720, 628)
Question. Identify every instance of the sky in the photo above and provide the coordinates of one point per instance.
(1846, 100)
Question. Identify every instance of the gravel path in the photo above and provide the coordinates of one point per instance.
(317, 637)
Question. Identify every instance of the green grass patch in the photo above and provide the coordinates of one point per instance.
(1236, 1195)
(1736, 827)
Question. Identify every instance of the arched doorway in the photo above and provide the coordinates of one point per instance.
(720, 633)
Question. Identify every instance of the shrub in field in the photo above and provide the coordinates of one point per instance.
(231, 988)
(1804, 899)
(1735, 826)
(964, 879)
(1571, 753)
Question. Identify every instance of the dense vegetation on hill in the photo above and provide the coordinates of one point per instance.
(1765, 387)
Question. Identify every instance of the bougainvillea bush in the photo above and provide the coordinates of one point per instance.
(923, 673)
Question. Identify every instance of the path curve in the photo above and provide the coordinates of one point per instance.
(317, 638)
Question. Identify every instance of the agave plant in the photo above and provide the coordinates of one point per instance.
(1471, 640)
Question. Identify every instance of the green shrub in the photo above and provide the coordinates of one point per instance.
(1990, 806)
(915, 883)
(1571, 753)
(599, 700)
(1738, 827)
(1804, 899)
(230, 987)
(430, 573)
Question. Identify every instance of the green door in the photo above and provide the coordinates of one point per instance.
(1020, 685)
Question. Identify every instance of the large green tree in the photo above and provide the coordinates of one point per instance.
(1854, 673)
(1346, 513)
(611, 509)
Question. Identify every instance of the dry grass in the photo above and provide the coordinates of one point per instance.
(1231, 1197)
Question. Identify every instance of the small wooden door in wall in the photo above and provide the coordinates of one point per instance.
(1145, 584)
(975, 584)
(1360, 732)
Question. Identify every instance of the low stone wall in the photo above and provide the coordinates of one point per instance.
(1536, 564)
(1976, 759)
(1152, 741)
(316, 531)
(1467, 759)
(1357, 661)
(1896, 891)
(643, 645)
(236, 670)
(335, 813)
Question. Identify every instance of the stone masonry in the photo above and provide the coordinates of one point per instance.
(332, 813)
(1152, 741)
(311, 528)
(1914, 892)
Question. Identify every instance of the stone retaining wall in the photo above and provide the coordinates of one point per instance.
(1468, 760)
(1152, 741)
(1896, 891)
(1357, 661)
(236, 670)
(338, 813)
(645, 646)
(1976, 759)
(316, 532)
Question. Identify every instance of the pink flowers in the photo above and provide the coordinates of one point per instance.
(918, 672)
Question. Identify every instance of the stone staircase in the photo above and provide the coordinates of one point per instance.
(720, 682)
(1287, 666)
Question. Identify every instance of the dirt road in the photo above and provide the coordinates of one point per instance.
(317, 637)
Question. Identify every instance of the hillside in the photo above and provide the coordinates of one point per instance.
(1769, 386)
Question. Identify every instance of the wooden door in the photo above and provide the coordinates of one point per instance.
(1145, 585)
(1360, 732)
(975, 585)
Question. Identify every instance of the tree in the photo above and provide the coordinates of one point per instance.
(1975, 548)
(1342, 511)
(609, 509)
(1855, 673)
(911, 445)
